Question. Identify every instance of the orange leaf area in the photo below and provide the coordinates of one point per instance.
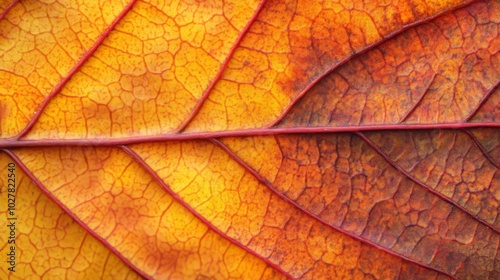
(49, 243)
(249, 212)
(254, 139)
(344, 182)
(121, 203)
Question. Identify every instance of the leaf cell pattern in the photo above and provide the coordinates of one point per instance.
(253, 140)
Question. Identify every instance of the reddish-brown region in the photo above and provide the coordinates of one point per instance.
(299, 139)
(437, 72)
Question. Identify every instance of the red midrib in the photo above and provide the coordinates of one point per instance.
(10, 143)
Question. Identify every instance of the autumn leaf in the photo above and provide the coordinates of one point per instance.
(250, 140)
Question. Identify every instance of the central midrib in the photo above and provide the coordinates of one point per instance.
(7, 143)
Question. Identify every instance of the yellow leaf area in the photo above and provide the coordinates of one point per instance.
(39, 44)
(48, 243)
(145, 77)
(157, 71)
(122, 204)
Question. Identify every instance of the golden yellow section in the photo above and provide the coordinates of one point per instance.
(116, 198)
(258, 150)
(49, 244)
(290, 45)
(39, 44)
(150, 71)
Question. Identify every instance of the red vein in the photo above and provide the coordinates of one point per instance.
(362, 51)
(223, 67)
(12, 143)
(419, 101)
(73, 215)
(8, 8)
(177, 198)
(409, 176)
(264, 181)
(481, 148)
(75, 69)
(482, 101)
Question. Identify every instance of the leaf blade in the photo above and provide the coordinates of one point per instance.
(133, 215)
(49, 243)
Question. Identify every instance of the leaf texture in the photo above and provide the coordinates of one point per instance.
(253, 140)
(136, 216)
(51, 244)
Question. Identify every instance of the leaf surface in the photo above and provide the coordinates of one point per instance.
(121, 203)
(49, 241)
(256, 140)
